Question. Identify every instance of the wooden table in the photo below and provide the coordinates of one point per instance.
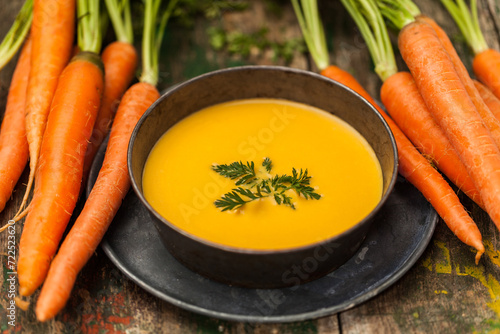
(443, 292)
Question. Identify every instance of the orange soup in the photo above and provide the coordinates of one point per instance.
(181, 185)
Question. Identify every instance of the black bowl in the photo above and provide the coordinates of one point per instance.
(257, 268)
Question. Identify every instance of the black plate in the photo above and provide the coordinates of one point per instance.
(399, 235)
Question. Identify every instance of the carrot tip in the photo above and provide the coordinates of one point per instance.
(41, 316)
(3, 228)
(21, 215)
(478, 256)
(24, 291)
(22, 211)
(22, 304)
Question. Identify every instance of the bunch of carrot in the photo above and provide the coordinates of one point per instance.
(60, 108)
(113, 180)
(437, 113)
(451, 97)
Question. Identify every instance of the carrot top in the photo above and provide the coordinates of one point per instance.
(119, 13)
(89, 26)
(152, 38)
(398, 12)
(16, 34)
(312, 30)
(468, 23)
(371, 25)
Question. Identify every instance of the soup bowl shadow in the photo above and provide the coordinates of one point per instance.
(261, 268)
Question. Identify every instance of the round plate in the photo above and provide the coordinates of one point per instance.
(399, 235)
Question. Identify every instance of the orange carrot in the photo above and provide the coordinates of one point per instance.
(489, 98)
(486, 66)
(419, 172)
(486, 62)
(110, 188)
(413, 166)
(336, 73)
(13, 143)
(490, 121)
(113, 180)
(52, 32)
(120, 62)
(451, 106)
(406, 107)
(58, 180)
(59, 174)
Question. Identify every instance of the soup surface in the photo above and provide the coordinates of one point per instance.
(179, 182)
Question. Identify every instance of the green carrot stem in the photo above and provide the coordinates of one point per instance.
(16, 34)
(152, 38)
(372, 27)
(409, 6)
(89, 26)
(468, 23)
(398, 12)
(121, 19)
(312, 30)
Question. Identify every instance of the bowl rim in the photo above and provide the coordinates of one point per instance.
(238, 250)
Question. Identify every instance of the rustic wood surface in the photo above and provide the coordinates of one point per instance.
(443, 292)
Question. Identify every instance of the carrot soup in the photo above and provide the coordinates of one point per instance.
(188, 180)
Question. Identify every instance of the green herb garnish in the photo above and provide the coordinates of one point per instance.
(252, 187)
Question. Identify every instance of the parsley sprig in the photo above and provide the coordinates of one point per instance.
(252, 187)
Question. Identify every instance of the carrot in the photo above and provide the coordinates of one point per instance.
(16, 34)
(13, 143)
(451, 106)
(100, 208)
(401, 98)
(419, 172)
(489, 98)
(52, 31)
(450, 102)
(120, 62)
(490, 121)
(486, 66)
(486, 62)
(59, 174)
(405, 105)
(113, 180)
(342, 76)
(412, 165)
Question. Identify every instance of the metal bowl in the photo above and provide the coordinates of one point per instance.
(257, 268)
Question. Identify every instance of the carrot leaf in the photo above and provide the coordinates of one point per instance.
(16, 34)
(119, 13)
(398, 12)
(89, 26)
(372, 27)
(468, 23)
(152, 38)
(312, 30)
(252, 186)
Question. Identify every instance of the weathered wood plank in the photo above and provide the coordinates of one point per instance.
(494, 13)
